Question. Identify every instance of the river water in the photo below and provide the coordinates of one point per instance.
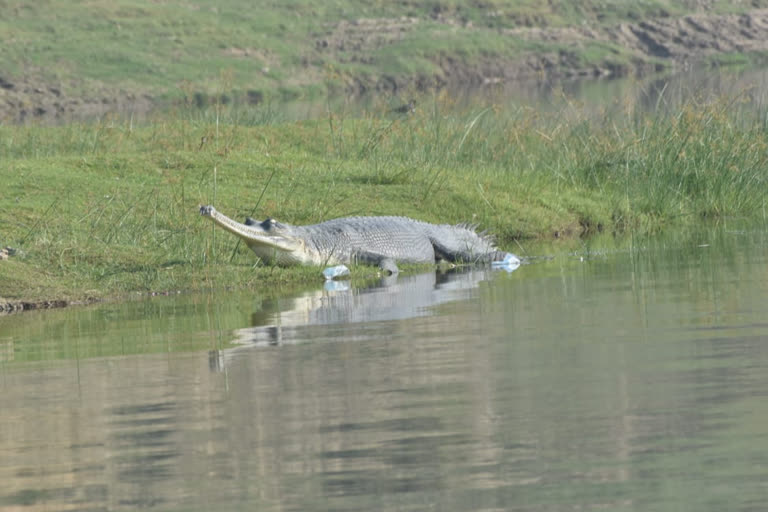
(619, 375)
(745, 88)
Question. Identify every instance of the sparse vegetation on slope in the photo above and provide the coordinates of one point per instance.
(72, 59)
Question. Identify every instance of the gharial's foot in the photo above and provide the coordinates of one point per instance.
(389, 266)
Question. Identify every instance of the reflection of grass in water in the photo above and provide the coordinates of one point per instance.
(185, 323)
(110, 207)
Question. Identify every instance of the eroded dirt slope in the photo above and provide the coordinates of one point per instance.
(646, 45)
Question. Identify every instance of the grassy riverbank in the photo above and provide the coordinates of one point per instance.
(72, 60)
(106, 209)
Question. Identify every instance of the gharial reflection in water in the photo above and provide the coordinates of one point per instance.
(313, 315)
(617, 378)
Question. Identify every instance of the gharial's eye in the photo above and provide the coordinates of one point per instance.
(270, 223)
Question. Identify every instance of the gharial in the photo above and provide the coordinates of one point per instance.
(382, 241)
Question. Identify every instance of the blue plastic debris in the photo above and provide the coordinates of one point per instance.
(508, 264)
(334, 272)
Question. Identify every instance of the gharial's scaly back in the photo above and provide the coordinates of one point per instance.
(399, 238)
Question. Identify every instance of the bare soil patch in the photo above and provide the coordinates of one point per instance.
(689, 37)
(33, 96)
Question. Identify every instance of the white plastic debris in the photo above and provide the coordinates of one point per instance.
(334, 272)
(508, 264)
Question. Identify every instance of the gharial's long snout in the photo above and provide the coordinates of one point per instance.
(254, 235)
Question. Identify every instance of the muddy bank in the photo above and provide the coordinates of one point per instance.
(16, 306)
(35, 96)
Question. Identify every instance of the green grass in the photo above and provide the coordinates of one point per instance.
(109, 208)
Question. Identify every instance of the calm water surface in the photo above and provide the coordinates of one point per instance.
(624, 376)
(596, 97)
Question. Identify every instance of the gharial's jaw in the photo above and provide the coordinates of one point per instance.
(266, 244)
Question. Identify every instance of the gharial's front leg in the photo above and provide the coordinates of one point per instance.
(387, 264)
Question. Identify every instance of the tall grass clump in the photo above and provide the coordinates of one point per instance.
(646, 168)
(705, 160)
